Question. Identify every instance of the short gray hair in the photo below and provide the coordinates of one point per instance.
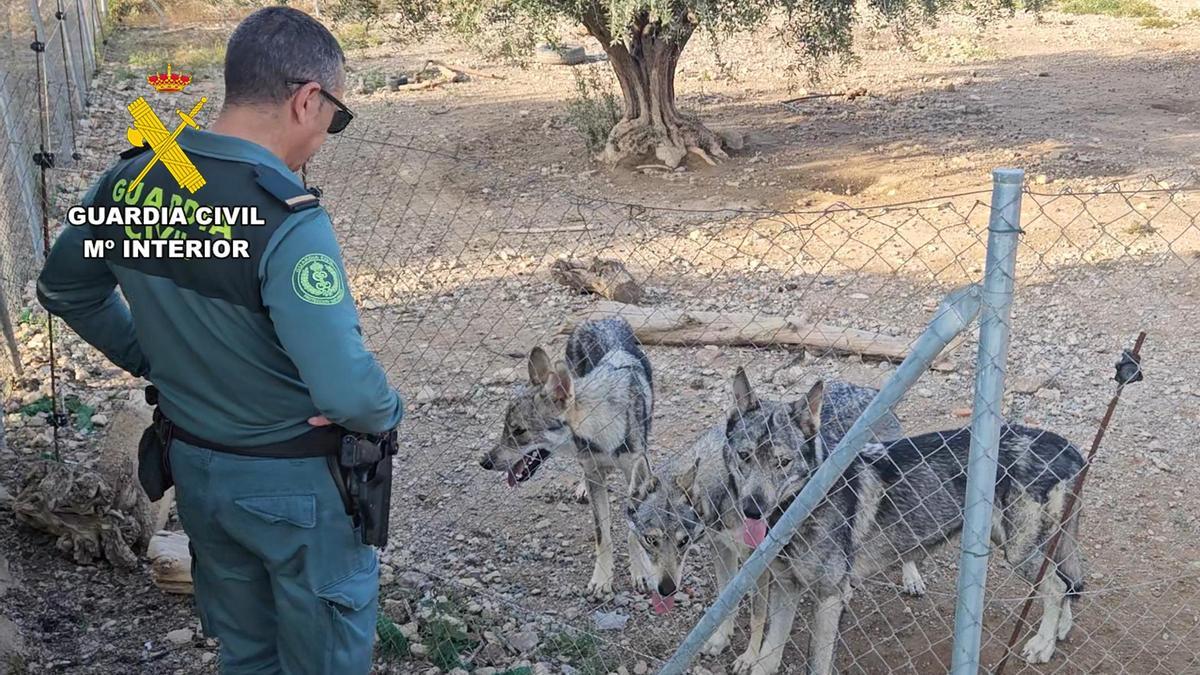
(274, 45)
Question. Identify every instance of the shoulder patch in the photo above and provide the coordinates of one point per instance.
(134, 151)
(293, 196)
(317, 280)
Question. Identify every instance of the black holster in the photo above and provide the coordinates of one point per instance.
(154, 460)
(362, 470)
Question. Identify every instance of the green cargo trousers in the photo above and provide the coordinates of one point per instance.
(280, 575)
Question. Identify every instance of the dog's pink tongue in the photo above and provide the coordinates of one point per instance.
(754, 532)
(662, 605)
(512, 479)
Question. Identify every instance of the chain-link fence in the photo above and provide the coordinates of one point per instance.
(48, 55)
(460, 274)
(461, 269)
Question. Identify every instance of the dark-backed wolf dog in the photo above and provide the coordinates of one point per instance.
(690, 500)
(597, 406)
(896, 502)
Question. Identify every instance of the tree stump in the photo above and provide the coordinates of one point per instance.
(603, 277)
(96, 511)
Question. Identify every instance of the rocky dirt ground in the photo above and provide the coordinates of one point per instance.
(453, 202)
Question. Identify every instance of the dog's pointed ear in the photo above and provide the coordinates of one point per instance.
(539, 366)
(686, 481)
(743, 395)
(560, 385)
(643, 482)
(806, 412)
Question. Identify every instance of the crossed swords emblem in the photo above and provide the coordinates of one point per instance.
(147, 127)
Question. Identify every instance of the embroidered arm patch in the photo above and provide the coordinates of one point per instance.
(316, 280)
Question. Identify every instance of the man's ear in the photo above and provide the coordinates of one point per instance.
(305, 101)
(560, 386)
(539, 366)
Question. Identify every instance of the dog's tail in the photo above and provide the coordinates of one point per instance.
(1068, 563)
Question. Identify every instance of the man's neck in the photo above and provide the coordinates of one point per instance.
(252, 125)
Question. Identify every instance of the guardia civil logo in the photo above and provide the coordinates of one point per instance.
(149, 129)
(316, 280)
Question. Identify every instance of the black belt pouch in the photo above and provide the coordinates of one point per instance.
(154, 463)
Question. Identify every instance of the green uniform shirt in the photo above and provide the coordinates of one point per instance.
(243, 351)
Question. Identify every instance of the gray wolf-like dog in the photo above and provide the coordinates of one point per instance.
(895, 503)
(597, 405)
(695, 502)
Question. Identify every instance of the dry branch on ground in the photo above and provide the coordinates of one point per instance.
(663, 326)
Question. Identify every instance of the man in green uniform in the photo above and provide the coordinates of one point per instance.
(259, 362)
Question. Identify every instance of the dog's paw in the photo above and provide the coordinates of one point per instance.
(581, 492)
(641, 582)
(600, 587)
(716, 644)
(1039, 649)
(746, 663)
(914, 585)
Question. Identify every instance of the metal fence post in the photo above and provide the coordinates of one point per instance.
(1003, 236)
(956, 313)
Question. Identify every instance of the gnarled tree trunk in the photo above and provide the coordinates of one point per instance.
(644, 61)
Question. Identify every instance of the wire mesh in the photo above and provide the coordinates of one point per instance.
(458, 274)
(66, 47)
(460, 270)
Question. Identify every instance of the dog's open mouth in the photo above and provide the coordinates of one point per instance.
(525, 467)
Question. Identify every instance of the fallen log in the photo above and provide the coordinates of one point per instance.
(603, 277)
(663, 326)
(171, 562)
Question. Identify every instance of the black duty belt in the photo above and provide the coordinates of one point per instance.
(316, 442)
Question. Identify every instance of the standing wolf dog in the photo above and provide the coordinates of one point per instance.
(599, 405)
(896, 502)
(671, 517)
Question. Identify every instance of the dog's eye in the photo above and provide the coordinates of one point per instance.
(651, 541)
(785, 461)
(518, 431)
(681, 541)
(744, 456)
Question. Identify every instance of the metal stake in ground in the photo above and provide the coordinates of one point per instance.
(1129, 370)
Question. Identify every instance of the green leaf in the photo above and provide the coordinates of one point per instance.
(42, 405)
(392, 643)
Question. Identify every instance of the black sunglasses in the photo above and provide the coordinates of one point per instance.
(341, 116)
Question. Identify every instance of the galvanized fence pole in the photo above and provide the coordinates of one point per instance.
(85, 52)
(955, 314)
(74, 91)
(1003, 235)
(44, 158)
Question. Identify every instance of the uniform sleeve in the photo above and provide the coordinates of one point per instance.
(82, 292)
(304, 291)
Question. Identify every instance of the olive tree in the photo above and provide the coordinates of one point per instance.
(645, 38)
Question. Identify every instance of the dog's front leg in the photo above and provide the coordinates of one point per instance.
(601, 585)
(726, 559)
(826, 618)
(782, 600)
(759, 599)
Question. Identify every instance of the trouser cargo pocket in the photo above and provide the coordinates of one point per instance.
(350, 606)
